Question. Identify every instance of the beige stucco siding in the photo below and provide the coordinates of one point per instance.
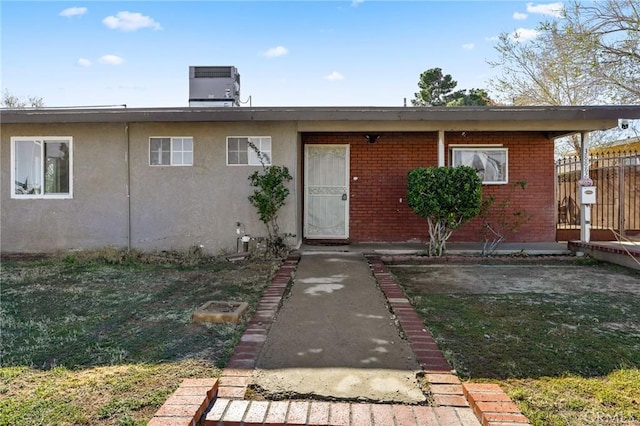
(176, 207)
(172, 207)
(97, 214)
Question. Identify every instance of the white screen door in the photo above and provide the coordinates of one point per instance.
(326, 185)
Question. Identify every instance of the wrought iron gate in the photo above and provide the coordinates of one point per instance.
(616, 176)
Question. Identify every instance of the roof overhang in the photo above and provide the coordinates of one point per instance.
(557, 121)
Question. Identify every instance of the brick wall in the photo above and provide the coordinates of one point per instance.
(378, 209)
(531, 160)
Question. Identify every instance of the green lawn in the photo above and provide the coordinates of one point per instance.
(566, 358)
(104, 337)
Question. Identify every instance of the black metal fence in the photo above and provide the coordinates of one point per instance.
(616, 176)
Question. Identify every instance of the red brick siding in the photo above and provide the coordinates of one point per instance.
(378, 208)
(531, 160)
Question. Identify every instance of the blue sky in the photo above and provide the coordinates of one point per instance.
(289, 53)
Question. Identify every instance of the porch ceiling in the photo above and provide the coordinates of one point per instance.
(556, 120)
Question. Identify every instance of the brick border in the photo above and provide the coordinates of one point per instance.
(492, 406)
(625, 255)
(237, 375)
(187, 404)
(420, 338)
(489, 402)
(633, 251)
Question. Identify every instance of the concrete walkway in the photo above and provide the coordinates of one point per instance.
(335, 337)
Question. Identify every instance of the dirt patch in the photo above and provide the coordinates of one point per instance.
(519, 318)
(516, 278)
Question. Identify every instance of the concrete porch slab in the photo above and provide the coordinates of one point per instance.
(453, 248)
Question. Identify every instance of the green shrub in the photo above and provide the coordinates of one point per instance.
(269, 196)
(447, 197)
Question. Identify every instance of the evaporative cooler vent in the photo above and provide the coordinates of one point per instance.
(214, 86)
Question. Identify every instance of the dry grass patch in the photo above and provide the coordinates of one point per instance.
(121, 394)
(103, 337)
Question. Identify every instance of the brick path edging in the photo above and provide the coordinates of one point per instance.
(224, 398)
(178, 410)
(236, 376)
(492, 406)
(187, 404)
(632, 251)
(489, 402)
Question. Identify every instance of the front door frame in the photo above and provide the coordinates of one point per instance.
(306, 193)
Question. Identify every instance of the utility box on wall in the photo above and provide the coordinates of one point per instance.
(587, 195)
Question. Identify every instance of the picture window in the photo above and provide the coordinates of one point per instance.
(490, 163)
(42, 167)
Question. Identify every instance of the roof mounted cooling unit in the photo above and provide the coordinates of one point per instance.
(214, 86)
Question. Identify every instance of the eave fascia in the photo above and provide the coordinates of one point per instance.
(393, 118)
(553, 127)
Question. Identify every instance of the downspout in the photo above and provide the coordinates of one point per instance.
(299, 186)
(440, 148)
(127, 159)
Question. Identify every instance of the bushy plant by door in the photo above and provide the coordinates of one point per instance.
(445, 196)
(269, 196)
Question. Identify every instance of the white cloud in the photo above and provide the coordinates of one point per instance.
(518, 16)
(524, 34)
(355, 3)
(492, 38)
(111, 60)
(468, 46)
(274, 52)
(552, 9)
(334, 76)
(130, 21)
(83, 62)
(70, 12)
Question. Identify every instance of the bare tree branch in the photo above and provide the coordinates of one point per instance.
(14, 102)
(590, 56)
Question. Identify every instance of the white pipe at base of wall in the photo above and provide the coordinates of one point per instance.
(585, 223)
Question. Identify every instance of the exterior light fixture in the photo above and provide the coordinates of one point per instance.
(372, 138)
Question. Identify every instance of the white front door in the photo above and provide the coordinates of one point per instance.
(326, 191)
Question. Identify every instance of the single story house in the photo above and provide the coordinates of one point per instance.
(172, 178)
